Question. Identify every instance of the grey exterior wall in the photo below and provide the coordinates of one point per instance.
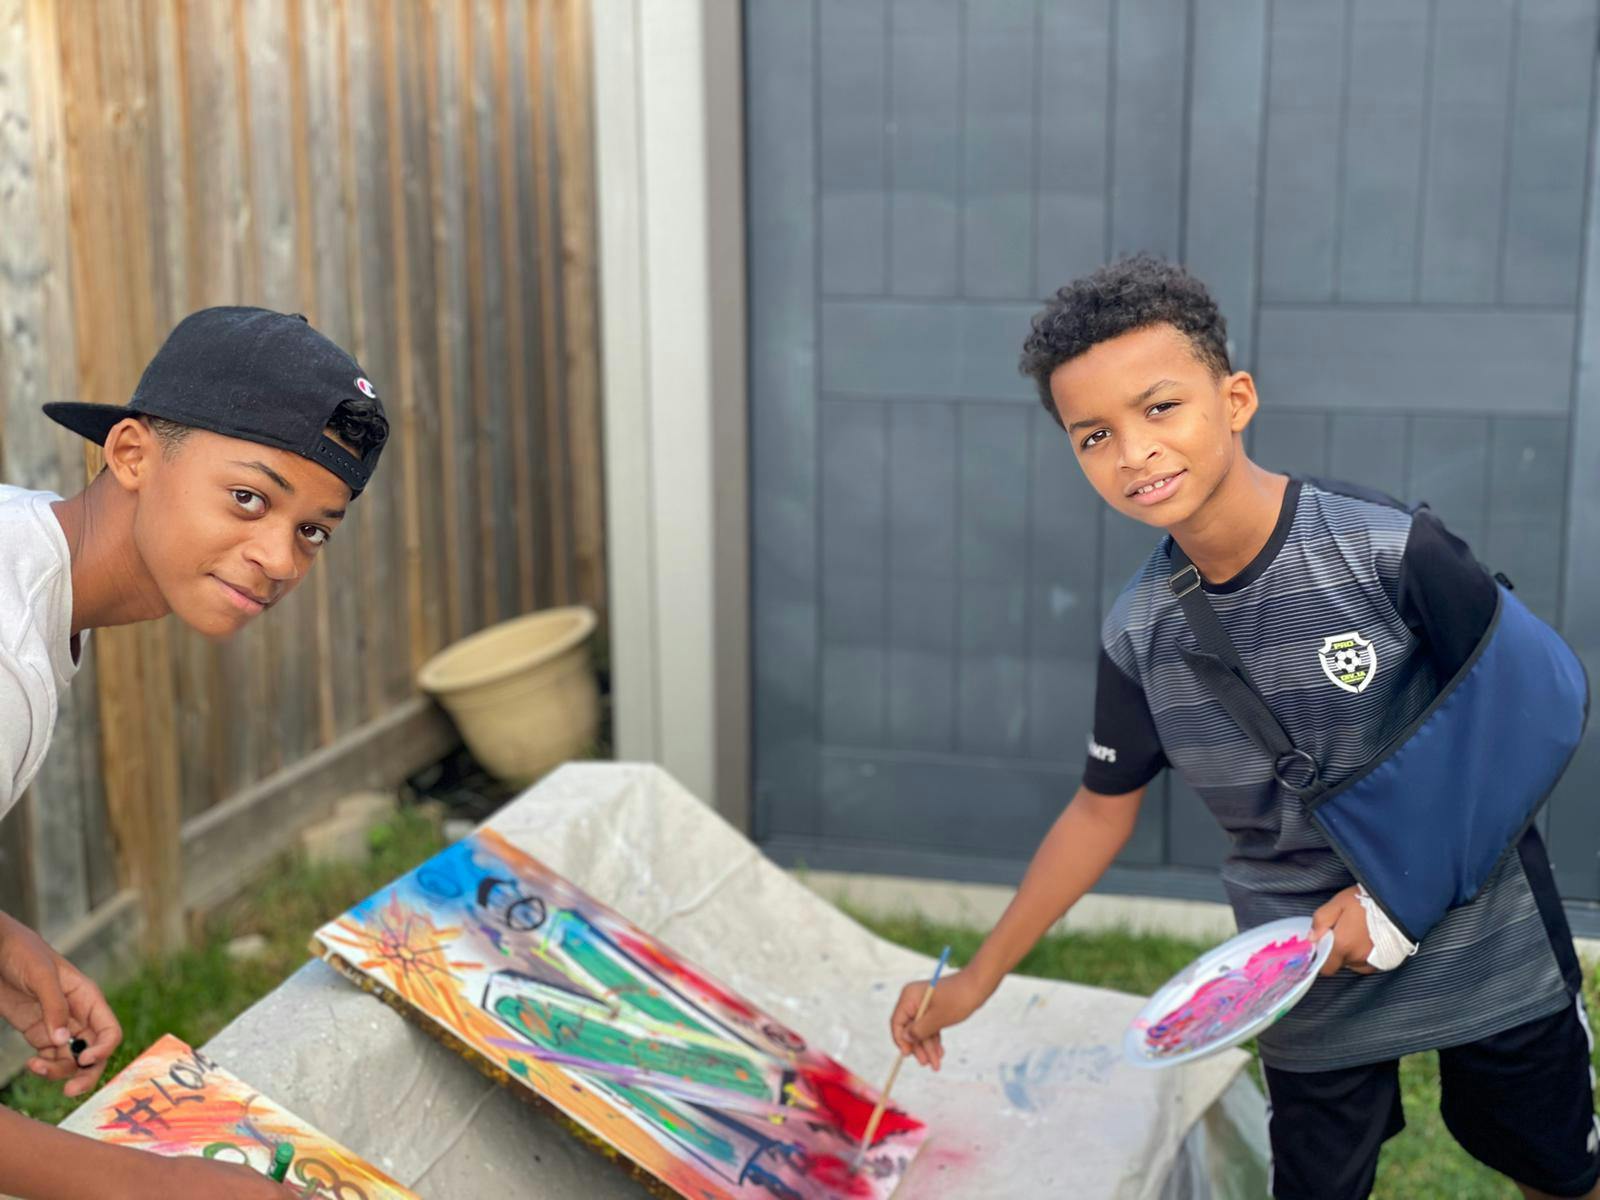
(1392, 200)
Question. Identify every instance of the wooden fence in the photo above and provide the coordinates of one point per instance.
(414, 175)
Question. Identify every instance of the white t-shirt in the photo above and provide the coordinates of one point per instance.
(36, 660)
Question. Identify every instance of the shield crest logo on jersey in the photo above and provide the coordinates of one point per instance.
(1349, 660)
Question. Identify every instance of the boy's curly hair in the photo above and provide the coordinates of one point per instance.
(1131, 293)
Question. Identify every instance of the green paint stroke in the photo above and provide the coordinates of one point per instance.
(671, 1120)
(554, 1027)
(578, 943)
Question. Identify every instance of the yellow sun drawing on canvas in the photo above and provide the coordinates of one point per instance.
(412, 951)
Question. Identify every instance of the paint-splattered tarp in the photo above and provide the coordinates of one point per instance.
(1033, 1099)
(173, 1100)
(706, 1095)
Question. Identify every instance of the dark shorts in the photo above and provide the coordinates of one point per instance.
(1520, 1102)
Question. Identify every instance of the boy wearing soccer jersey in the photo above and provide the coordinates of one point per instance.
(1349, 613)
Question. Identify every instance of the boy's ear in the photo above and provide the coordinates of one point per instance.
(1239, 394)
(131, 450)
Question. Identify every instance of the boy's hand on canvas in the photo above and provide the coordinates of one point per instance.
(165, 1178)
(955, 999)
(1352, 942)
(50, 1002)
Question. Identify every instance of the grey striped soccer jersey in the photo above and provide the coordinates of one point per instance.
(1348, 622)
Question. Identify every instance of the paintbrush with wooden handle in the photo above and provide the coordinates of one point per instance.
(883, 1096)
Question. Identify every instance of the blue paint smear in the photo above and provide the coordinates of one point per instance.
(448, 880)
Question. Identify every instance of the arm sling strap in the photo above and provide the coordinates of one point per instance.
(1423, 825)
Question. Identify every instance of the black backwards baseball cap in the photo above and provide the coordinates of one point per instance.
(247, 373)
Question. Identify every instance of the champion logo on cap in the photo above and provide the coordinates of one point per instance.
(366, 389)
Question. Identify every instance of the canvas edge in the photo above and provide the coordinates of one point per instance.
(497, 1075)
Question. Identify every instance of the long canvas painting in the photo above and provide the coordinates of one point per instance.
(636, 1049)
(173, 1100)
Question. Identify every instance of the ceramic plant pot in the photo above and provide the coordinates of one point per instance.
(522, 693)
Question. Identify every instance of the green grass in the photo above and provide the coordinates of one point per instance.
(1423, 1163)
(196, 993)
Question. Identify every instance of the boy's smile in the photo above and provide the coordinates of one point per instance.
(1154, 490)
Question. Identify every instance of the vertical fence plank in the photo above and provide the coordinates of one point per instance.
(103, 71)
(338, 571)
(547, 250)
(316, 628)
(477, 321)
(24, 456)
(219, 271)
(402, 370)
(581, 340)
(422, 344)
(495, 433)
(375, 625)
(195, 663)
(79, 724)
(266, 86)
(521, 28)
(462, 602)
(511, 201)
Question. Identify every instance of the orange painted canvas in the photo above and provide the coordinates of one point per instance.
(703, 1094)
(173, 1100)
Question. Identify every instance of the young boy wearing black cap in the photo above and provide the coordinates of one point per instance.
(1355, 623)
(230, 468)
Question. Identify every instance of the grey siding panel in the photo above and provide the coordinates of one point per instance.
(1381, 190)
(783, 416)
(852, 158)
(1466, 156)
(854, 456)
(1124, 545)
(965, 803)
(1296, 442)
(924, 147)
(1527, 496)
(1147, 846)
(1001, 61)
(992, 708)
(1150, 47)
(1305, 95)
(1370, 450)
(1549, 143)
(1385, 198)
(1574, 816)
(1063, 605)
(923, 582)
(1359, 358)
(906, 348)
(1074, 169)
(1449, 471)
(1225, 119)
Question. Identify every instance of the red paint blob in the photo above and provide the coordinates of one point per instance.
(834, 1173)
(680, 970)
(836, 1091)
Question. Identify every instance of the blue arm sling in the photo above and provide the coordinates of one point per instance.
(1423, 825)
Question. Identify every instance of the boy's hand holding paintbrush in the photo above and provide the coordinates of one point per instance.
(956, 998)
(1075, 853)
